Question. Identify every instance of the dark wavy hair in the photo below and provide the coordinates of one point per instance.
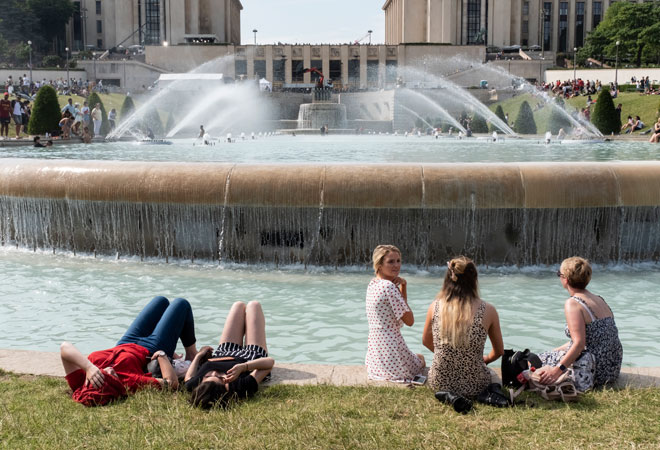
(208, 395)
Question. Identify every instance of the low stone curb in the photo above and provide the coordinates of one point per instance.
(30, 362)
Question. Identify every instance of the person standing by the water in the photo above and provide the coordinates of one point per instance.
(5, 116)
(97, 118)
(112, 117)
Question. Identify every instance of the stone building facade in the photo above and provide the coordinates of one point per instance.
(105, 24)
(556, 25)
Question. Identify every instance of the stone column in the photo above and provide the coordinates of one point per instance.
(344, 65)
(307, 62)
(364, 56)
(382, 67)
(249, 56)
(287, 64)
(192, 16)
(325, 61)
(268, 53)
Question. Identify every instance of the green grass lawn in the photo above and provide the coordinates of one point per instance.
(646, 106)
(37, 412)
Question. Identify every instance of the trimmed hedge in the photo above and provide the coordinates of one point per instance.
(127, 108)
(525, 121)
(46, 114)
(478, 124)
(604, 116)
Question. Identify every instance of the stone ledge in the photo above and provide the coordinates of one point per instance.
(48, 363)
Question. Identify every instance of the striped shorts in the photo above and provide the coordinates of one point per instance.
(247, 353)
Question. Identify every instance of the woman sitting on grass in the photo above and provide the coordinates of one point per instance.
(457, 324)
(388, 357)
(656, 132)
(594, 350)
(239, 363)
(110, 374)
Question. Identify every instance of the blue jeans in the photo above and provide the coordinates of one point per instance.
(160, 325)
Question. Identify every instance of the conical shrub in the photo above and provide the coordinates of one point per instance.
(604, 116)
(478, 124)
(46, 114)
(152, 121)
(525, 121)
(558, 117)
(127, 108)
(499, 112)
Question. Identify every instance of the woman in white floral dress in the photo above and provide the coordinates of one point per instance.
(388, 356)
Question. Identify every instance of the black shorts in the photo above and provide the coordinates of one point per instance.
(5, 120)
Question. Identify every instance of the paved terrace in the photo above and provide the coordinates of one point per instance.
(48, 363)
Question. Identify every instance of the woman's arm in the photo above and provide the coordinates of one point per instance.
(427, 334)
(575, 322)
(169, 375)
(259, 368)
(203, 353)
(494, 334)
(73, 360)
(408, 317)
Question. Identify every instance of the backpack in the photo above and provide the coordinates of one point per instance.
(514, 362)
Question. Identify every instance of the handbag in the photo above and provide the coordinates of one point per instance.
(514, 362)
(562, 388)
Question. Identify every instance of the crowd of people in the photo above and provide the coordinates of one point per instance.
(458, 322)
(73, 86)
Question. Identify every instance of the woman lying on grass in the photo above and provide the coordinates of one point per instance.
(110, 374)
(237, 366)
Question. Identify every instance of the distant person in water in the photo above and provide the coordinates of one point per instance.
(111, 374)
(37, 142)
(236, 367)
(87, 136)
(201, 132)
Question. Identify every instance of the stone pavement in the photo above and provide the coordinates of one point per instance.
(48, 363)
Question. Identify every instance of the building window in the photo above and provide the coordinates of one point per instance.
(259, 68)
(525, 9)
(598, 13)
(99, 26)
(525, 26)
(335, 69)
(563, 26)
(354, 71)
(579, 24)
(240, 68)
(547, 25)
(279, 66)
(98, 8)
(390, 71)
(372, 73)
(319, 65)
(99, 43)
(152, 22)
(297, 67)
(474, 22)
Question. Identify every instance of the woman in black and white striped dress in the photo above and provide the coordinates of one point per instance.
(238, 364)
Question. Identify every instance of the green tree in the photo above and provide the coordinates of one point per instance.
(558, 119)
(53, 15)
(478, 124)
(45, 117)
(605, 116)
(151, 121)
(499, 112)
(525, 121)
(92, 100)
(633, 25)
(127, 108)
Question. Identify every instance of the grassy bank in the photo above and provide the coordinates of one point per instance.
(645, 106)
(36, 412)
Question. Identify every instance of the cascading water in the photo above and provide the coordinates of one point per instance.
(443, 112)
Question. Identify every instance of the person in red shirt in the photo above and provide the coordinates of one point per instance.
(114, 373)
(5, 115)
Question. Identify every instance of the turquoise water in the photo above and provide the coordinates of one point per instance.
(349, 149)
(313, 316)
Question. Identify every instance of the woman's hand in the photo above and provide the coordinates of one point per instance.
(94, 377)
(110, 371)
(548, 375)
(399, 282)
(234, 372)
(204, 353)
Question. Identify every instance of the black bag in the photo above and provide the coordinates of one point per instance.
(514, 362)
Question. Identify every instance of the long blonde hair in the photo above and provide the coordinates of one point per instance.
(380, 253)
(459, 292)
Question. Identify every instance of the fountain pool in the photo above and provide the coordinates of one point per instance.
(313, 316)
(349, 149)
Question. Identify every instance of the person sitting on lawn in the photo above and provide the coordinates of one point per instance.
(239, 363)
(111, 374)
(656, 132)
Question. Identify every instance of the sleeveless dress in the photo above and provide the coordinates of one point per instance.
(460, 370)
(388, 356)
(600, 361)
